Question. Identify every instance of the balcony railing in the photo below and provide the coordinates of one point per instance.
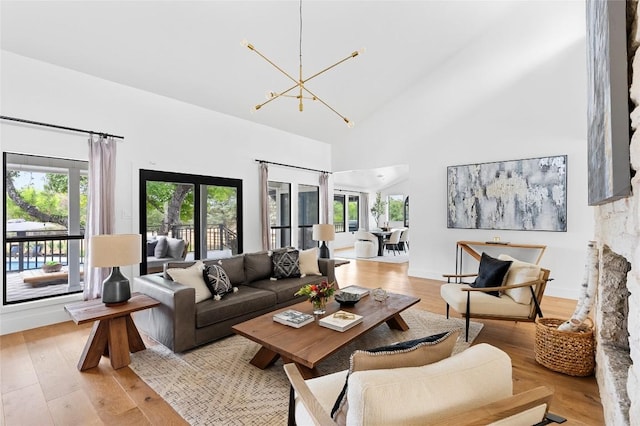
(32, 252)
(218, 237)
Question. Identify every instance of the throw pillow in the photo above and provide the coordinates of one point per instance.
(257, 266)
(309, 262)
(217, 281)
(151, 247)
(192, 277)
(161, 248)
(520, 272)
(285, 264)
(175, 247)
(491, 273)
(412, 353)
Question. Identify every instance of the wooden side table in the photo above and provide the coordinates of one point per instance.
(114, 334)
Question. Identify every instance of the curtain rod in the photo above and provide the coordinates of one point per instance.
(72, 129)
(293, 167)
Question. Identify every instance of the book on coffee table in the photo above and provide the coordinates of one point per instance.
(293, 318)
(341, 320)
(360, 291)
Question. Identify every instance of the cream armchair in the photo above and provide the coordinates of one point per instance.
(516, 296)
(366, 244)
(474, 387)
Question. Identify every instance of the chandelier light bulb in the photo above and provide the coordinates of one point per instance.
(350, 123)
(244, 42)
(362, 50)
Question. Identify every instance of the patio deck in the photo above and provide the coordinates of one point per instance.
(18, 290)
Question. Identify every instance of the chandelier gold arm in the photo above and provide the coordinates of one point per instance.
(275, 96)
(353, 55)
(345, 119)
(251, 47)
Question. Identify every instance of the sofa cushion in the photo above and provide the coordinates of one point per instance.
(234, 267)
(482, 303)
(191, 277)
(520, 272)
(217, 281)
(491, 273)
(161, 247)
(245, 301)
(412, 353)
(175, 248)
(285, 288)
(309, 262)
(257, 266)
(285, 264)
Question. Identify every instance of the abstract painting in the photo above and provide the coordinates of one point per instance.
(524, 195)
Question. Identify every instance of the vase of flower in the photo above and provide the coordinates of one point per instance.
(319, 306)
(318, 295)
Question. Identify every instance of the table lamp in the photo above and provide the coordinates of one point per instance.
(324, 232)
(114, 251)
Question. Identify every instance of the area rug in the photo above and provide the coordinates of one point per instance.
(387, 258)
(216, 385)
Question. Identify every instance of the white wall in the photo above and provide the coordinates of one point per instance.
(518, 92)
(160, 134)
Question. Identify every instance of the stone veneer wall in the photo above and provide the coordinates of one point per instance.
(618, 227)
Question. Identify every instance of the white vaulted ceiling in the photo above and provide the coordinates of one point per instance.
(191, 51)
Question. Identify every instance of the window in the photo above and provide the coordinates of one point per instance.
(396, 208)
(338, 213)
(45, 216)
(308, 214)
(280, 214)
(354, 213)
(204, 211)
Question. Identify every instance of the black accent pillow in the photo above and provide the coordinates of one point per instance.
(217, 281)
(491, 273)
(151, 247)
(286, 264)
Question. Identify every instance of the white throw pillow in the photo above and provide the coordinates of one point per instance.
(520, 272)
(192, 277)
(308, 260)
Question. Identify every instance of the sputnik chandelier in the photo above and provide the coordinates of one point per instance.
(300, 84)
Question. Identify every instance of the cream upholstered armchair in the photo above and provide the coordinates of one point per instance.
(505, 289)
(366, 244)
(474, 387)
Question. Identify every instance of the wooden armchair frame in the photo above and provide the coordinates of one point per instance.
(536, 297)
(483, 415)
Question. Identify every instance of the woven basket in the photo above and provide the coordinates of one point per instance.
(568, 352)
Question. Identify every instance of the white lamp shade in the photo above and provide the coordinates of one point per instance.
(115, 250)
(323, 232)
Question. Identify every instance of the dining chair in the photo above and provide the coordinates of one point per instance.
(393, 241)
(404, 239)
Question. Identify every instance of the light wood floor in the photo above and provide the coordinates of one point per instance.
(41, 385)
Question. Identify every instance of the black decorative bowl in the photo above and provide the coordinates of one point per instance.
(347, 299)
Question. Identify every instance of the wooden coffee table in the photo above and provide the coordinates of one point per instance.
(309, 345)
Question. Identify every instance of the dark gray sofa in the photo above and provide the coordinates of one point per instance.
(181, 324)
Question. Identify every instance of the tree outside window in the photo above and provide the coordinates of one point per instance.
(396, 208)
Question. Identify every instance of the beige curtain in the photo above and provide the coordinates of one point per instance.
(100, 206)
(324, 197)
(364, 210)
(264, 206)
